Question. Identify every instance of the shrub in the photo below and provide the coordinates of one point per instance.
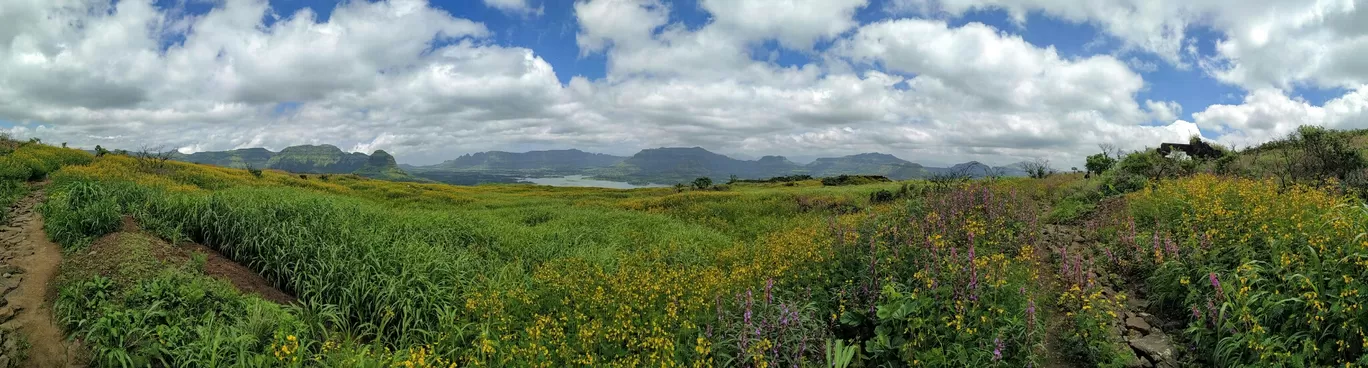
(1099, 163)
(881, 196)
(702, 183)
(1038, 169)
(79, 213)
(854, 180)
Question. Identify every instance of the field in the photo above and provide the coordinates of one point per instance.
(1234, 269)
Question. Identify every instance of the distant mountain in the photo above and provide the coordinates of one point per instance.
(511, 167)
(975, 169)
(571, 159)
(680, 164)
(238, 158)
(306, 159)
(867, 164)
(666, 165)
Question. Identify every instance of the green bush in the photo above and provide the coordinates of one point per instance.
(79, 213)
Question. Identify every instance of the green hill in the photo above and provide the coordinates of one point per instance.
(306, 159)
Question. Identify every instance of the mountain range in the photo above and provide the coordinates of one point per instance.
(306, 159)
(677, 165)
(657, 165)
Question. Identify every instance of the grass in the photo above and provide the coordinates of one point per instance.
(761, 274)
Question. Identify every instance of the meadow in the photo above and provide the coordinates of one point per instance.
(1253, 270)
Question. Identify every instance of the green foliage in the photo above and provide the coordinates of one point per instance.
(1099, 163)
(80, 213)
(854, 180)
(702, 183)
(881, 196)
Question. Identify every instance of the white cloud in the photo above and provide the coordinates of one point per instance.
(426, 85)
(1164, 111)
(517, 7)
(794, 23)
(1263, 43)
(1269, 113)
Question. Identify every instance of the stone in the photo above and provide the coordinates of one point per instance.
(1137, 303)
(9, 284)
(6, 314)
(1157, 348)
(1138, 324)
(4, 360)
(1127, 354)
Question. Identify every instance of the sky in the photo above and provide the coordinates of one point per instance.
(931, 81)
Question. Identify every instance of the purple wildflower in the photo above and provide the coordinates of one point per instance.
(997, 350)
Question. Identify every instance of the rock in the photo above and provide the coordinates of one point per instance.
(1137, 303)
(11, 344)
(1138, 324)
(6, 314)
(4, 360)
(9, 284)
(1127, 354)
(1157, 348)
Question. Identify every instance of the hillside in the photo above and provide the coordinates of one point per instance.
(866, 164)
(531, 161)
(510, 167)
(306, 159)
(670, 165)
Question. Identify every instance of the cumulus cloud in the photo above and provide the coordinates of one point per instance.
(1269, 113)
(427, 85)
(516, 7)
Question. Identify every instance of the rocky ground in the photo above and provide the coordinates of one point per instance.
(28, 263)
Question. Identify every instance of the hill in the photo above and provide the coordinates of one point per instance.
(867, 164)
(668, 165)
(306, 159)
(510, 167)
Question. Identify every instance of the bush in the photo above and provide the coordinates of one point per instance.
(79, 213)
(881, 196)
(854, 180)
(1099, 163)
(702, 183)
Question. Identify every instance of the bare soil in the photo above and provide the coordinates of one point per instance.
(32, 260)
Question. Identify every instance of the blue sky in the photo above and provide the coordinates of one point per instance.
(743, 77)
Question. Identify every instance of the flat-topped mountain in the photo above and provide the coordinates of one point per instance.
(665, 165)
(306, 159)
(571, 159)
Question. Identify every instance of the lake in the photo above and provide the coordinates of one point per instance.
(585, 181)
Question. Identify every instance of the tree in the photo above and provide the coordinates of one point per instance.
(1099, 162)
(733, 179)
(702, 183)
(1038, 169)
(100, 151)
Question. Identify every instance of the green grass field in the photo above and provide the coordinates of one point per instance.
(758, 275)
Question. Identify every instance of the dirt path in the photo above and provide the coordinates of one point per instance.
(30, 263)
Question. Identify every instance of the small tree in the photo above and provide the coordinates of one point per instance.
(1038, 169)
(255, 171)
(702, 183)
(100, 151)
(1099, 163)
(733, 179)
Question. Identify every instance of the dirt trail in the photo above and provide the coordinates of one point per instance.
(30, 263)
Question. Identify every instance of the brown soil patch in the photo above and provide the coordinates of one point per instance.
(104, 257)
(242, 278)
(31, 302)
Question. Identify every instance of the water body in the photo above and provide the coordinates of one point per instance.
(584, 181)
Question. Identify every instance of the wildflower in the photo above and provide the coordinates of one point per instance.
(997, 351)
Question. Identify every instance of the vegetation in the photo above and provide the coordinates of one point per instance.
(1245, 267)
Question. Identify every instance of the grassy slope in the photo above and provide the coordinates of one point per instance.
(372, 247)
